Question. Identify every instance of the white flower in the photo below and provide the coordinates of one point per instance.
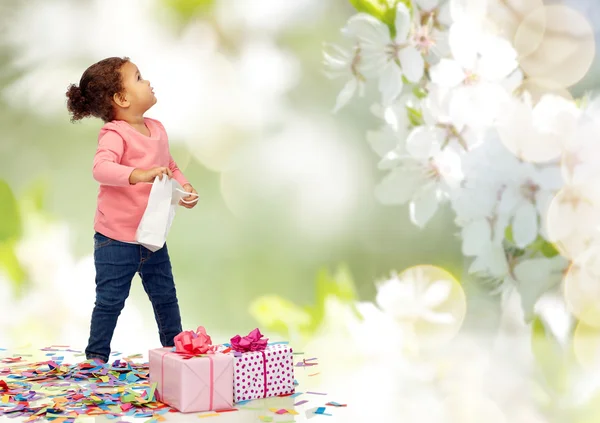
(396, 128)
(581, 154)
(573, 217)
(345, 63)
(438, 9)
(423, 183)
(414, 298)
(540, 132)
(381, 53)
(426, 34)
(478, 74)
(439, 131)
(526, 198)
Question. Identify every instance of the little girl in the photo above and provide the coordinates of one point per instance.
(131, 150)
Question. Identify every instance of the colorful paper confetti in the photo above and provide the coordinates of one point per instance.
(62, 392)
(335, 404)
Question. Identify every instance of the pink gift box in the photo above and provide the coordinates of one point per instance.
(194, 384)
(262, 374)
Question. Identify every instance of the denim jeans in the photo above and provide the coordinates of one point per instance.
(116, 264)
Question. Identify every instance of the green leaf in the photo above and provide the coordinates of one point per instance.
(419, 92)
(415, 116)
(278, 315)
(35, 195)
(340, 285)
(10, 219)
(10, 263)
(187, 9)
(544, 247)
(508, 234)
(540, 245)
(384, 10)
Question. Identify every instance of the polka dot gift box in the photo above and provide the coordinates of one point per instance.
(261, 370)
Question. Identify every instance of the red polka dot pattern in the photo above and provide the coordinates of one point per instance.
(249, 373)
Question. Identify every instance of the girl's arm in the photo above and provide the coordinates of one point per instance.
(177, 174)
(107, 167)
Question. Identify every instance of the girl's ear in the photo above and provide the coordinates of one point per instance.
(121, 100)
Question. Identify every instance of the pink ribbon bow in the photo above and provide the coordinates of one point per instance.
(192, 343)
(253, 342)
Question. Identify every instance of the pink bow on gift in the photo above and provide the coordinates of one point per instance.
(190, 342)
(252, 342)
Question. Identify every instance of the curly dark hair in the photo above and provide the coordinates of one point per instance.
(94, 95)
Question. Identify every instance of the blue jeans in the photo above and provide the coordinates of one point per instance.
(116, 264)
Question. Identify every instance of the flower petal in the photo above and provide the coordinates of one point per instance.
(382, 141)
(346, 94)
(424, 142)
(427, 5)
(498, 59)
(402, 22)
(413, 64)
(437, 292)
(398, 187)
(447, 73)
(444, 14)
(475, 236)
(462, 38)
(336, 58)
(468, 10)
(390, 83)
(525, 225)
(423, 207)
(367, 29)
(492, 261)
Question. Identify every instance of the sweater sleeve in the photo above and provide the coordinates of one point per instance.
(177, 174)
(108, 169)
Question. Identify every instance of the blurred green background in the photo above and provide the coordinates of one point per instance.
(286, 187)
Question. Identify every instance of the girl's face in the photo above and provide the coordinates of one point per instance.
(138, 91)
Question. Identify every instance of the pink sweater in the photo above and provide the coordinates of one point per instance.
(121, 149)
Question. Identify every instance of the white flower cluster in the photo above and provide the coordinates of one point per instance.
(518, 168)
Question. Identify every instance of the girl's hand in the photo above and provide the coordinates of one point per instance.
(190, 189)
(140, 175)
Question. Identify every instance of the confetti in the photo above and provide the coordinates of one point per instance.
(66, 392)
(266, 419)
(315, 374)
(321, 411)
(202, 416)
(335, 404)
(243, 402)
(300, 403)
(316, 393)
(226, 410)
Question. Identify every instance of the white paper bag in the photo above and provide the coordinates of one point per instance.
(156, 222)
